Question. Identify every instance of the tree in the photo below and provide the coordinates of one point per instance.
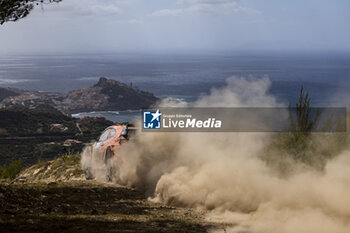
(13, 10)
(297, 141)
(303, 123)
(296, 144)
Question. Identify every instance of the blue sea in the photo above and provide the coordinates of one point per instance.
(325, 75)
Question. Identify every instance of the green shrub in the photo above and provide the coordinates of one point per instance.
(71, 159)
(11, 171)
(299, 145)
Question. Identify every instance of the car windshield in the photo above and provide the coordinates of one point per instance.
(104, 135)
(107, 134)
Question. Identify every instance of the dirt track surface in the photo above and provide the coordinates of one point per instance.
(89, 207)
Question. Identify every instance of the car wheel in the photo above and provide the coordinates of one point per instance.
(88, 174)
(108, 164)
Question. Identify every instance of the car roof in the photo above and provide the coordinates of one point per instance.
(117, 127)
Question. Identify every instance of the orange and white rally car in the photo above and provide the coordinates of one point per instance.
(103, 151)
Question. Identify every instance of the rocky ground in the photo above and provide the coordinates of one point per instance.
(34, 202)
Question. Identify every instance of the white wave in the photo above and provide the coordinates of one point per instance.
(13, 81)
(88, 78)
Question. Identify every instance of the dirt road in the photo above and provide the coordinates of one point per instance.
(84, 206)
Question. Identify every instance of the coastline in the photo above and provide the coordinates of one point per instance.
(115, 116)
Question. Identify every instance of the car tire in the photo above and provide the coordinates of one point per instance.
(88, 174)
(108, 164)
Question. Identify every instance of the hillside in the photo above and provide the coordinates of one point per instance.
(106, 95)
(39, 134)
(64, 169)
(6, 93)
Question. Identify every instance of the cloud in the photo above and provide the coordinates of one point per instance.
(168, 12)
(206, 7)
(95, 10)
(69, 8)
(130, 21)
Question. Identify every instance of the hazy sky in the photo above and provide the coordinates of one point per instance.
(169, 25)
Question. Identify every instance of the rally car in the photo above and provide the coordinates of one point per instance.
(99, 155)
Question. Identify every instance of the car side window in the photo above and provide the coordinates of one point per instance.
(104, 135)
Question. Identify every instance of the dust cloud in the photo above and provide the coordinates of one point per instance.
(93, 164)
(224, 174)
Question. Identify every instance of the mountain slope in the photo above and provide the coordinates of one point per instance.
(106, 95)
(6, 92)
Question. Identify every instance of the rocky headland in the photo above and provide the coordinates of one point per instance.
(106, 95)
